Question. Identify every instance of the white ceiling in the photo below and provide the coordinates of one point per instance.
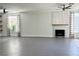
(20, 7)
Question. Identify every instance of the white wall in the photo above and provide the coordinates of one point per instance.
(61, 17)
(39, 24)
(36, 24)
(4, 22)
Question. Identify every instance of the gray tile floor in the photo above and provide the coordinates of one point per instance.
(14, 46)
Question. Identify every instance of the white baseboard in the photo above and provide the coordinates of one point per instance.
(2, 35)
(36, 36)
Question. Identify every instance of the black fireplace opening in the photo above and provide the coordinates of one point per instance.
(60, 33)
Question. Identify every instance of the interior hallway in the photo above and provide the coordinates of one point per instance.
(14, 46)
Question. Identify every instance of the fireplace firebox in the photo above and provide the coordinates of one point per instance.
(59, 33)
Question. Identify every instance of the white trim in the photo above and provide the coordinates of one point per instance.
(36, 36)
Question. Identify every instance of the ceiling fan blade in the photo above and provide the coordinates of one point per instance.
(70, 5)
(66, 6)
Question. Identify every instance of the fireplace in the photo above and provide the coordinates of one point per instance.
(59, 33)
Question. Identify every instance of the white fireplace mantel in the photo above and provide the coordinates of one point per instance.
(61, 27)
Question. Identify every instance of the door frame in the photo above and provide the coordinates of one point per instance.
(15, 14)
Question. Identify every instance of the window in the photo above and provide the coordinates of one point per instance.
(75, 23)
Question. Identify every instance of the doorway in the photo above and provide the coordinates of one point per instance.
(13, 25)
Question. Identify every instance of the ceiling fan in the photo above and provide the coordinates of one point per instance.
(3, 10)
(65, 6)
